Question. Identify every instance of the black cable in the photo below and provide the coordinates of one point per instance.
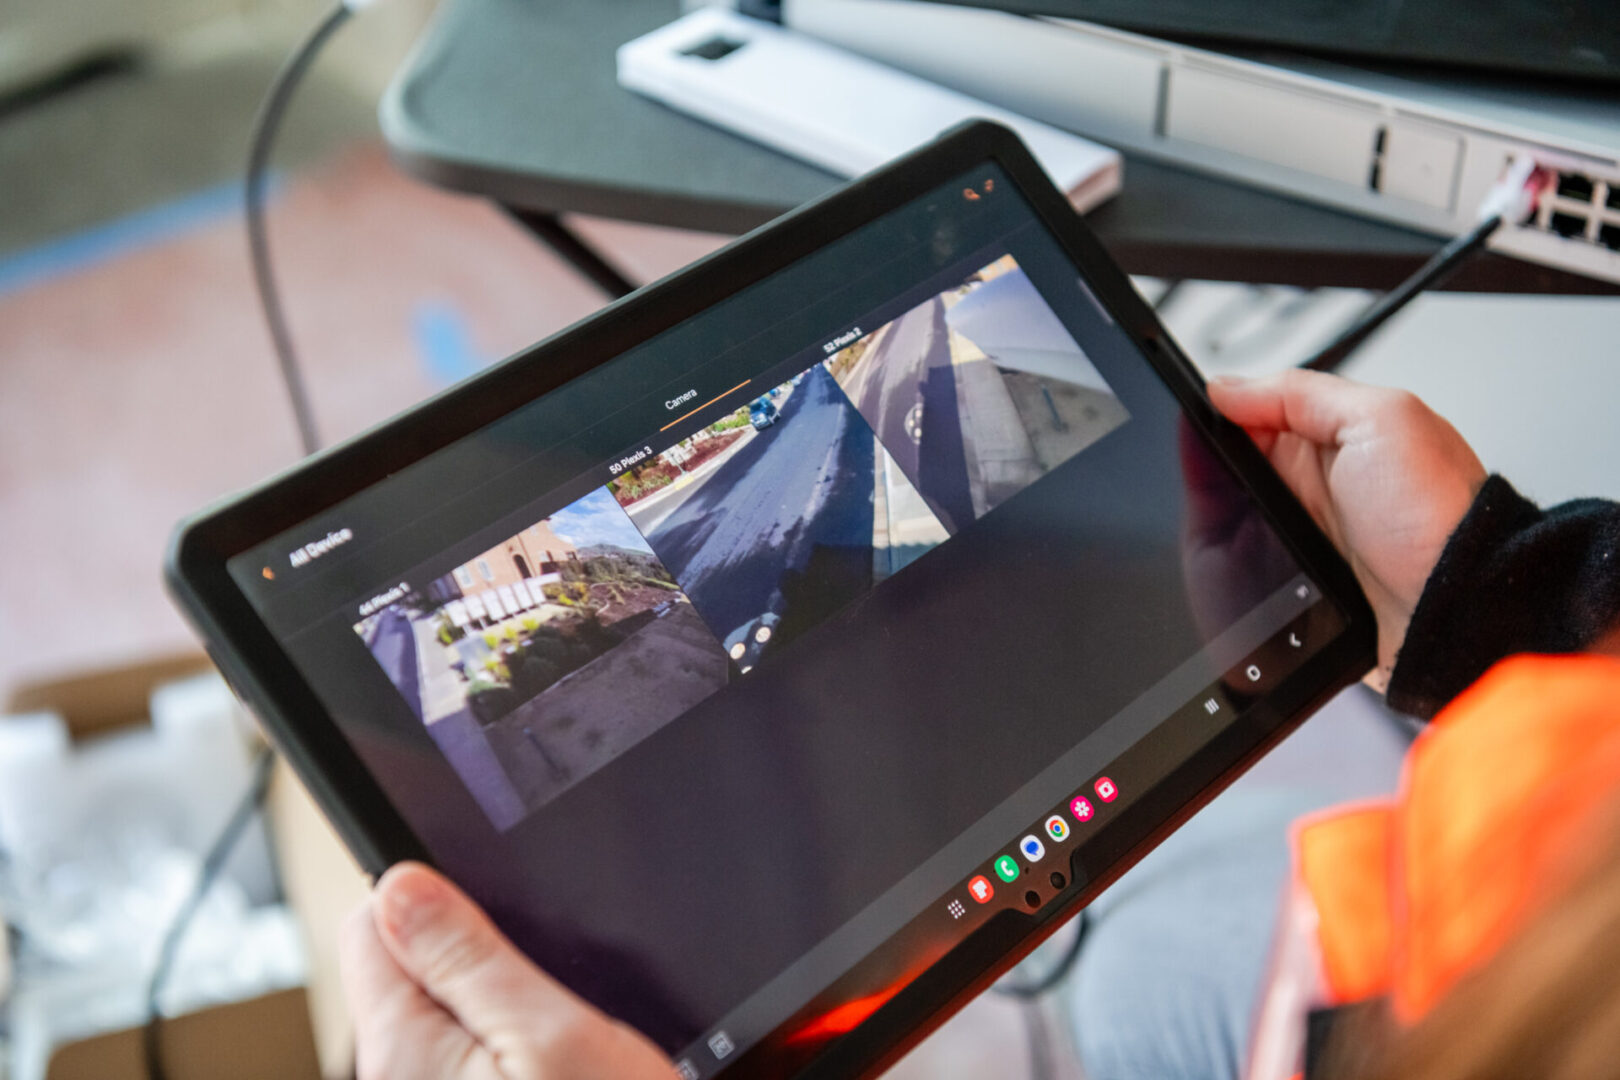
(219, 852)
(1440, 266)
(1038, 1038)
(1172, 286)
(80, 73)
(1037, 1032)
(1060, 970)
(265, 127)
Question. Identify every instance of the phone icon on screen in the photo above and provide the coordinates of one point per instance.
(1007, 868)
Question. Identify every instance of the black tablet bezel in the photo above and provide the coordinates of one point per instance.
(262, 673)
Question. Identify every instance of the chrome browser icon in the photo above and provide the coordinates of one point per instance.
(1057, 828)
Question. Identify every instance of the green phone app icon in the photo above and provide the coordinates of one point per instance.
(1007, 868)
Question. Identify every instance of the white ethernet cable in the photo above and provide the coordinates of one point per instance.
(1512, 198)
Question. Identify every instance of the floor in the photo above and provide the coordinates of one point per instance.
(137, 382)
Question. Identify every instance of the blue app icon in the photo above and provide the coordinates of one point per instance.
(1032, 848)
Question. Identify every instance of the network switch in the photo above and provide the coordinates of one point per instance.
(1419, 151)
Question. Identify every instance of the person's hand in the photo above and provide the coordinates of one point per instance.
(1385, 477)
(436, 991)
(1231, 557)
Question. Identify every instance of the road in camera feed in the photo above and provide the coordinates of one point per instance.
(783, 527)
(591, 716)
(978, 392)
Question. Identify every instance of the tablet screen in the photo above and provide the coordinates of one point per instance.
(744, 675)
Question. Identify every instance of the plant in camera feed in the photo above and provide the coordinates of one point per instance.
(537, 661)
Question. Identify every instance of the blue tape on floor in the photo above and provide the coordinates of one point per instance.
(444, 342)
(79, 251)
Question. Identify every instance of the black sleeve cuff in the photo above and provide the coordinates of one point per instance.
(1513, 578)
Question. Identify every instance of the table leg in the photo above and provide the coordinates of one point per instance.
(549, 229)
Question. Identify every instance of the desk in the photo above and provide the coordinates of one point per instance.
(516, 100)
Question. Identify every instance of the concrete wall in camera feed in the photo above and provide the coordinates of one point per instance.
(538, 661)
(978, 392)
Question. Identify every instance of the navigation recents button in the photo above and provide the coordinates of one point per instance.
(1213, 706)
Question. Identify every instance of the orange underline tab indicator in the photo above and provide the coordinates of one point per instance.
(705, 405)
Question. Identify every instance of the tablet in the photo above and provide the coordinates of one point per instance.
(782, 652)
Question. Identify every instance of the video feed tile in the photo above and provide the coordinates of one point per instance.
(538, 661)
(978, 392)
(778, 515)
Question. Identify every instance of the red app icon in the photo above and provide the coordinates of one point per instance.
(981, 889)
(1081, 808)
(1106, 791)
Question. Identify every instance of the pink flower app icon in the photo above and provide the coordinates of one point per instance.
(1081, 808)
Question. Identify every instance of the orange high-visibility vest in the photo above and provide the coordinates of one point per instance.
(1495, 814)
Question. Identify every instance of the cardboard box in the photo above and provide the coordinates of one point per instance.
(262, 1038)
(299, 1034)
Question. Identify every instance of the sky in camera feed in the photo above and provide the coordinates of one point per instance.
(597, 519)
